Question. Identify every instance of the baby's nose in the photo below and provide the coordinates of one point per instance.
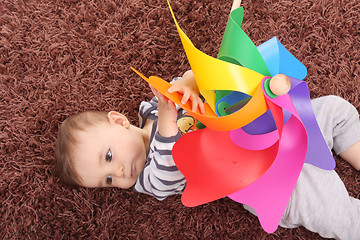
(120, 171)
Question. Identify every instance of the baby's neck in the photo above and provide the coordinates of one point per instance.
(146, 132)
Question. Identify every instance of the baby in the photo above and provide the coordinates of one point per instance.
(102, 149)
(99, 149)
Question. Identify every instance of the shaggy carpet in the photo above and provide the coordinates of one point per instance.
(60, 57)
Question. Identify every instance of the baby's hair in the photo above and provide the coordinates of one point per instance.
(67, 140)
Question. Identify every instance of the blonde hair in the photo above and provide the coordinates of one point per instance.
(66, 141)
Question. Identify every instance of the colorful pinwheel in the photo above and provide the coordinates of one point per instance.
(255, 154)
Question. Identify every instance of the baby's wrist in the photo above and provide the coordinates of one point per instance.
(169, 129)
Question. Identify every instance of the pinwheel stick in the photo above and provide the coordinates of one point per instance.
(236, 4)
(237, 106)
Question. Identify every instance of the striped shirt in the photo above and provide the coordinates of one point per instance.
(160, 177)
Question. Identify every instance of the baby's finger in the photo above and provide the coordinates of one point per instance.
(197, 103)
(172, 89)
(152, 89)
(194, 105)
(155, 92)
(158, 94)
(185, 97)
(175, 88)
(201, 106)
(162, 98)
(171, 104)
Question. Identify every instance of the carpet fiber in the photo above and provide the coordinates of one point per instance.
(65, 56)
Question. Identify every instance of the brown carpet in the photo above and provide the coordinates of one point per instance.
(64, 56)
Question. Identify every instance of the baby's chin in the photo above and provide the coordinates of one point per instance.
(139, 167)
(134, 177)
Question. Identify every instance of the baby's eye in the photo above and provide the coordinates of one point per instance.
(108, 156)
(108, 180)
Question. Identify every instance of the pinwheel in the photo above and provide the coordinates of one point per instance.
(255, 142)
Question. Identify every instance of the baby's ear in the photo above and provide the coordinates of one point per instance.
(118, 118)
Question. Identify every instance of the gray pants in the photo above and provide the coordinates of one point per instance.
(320, 201)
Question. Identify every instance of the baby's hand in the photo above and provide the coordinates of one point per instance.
(167, 115)
(188, 88)
(163, 102)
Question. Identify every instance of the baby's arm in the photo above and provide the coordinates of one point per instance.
(352, 155)
(340, 124)
(167, 115)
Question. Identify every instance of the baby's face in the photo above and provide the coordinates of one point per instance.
(109, 155)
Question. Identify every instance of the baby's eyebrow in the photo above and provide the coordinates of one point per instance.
(101, 155)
